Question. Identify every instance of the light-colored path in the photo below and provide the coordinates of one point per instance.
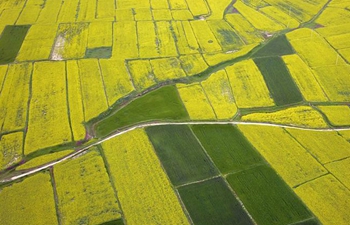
(150, 124)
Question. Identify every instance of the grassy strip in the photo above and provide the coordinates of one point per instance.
(212, 202)
(267, 198)
(277, 47)
(228, 148)
(279, 82)
(181, 155)
(163, 103)
(11, 41)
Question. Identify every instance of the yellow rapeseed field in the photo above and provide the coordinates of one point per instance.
(127, 4)
(9, 17)
(257, 19)
(327, 198)
(116, 79)
(142, 74)
(166, 42)
(340, 41)
(27, 200)
(334, 30)
(159, 4)
(41, 160)
(178, 4)
(124, 47)
(50, 12)
(92, 88)
(219, 92)
(3, 71)
(291, 161)
(345, 53)
(313, 49)
(144, 191)
(305, 79)
(11, 148)
(84, 190)
(248, 85)
(325, 146)
(29, 14)
(38, 43)
(335, 82)
(105, 10)
(205, 37)
(340, 169)
(68, 11)
(280, 16)
(217, 8)
(196, 102)
(345, 134)
(167, 68)
(161, 14)
(142, 14)
(338, 115)
(198, 7)
(245, 30)
(124, 15)
(185, 40)
(14, 97)
(181, 14)
(75, 100)
(48, 123)
(333, 16)
(87, 11)
(100, 35)
(304, 116)
(147, 37)
(193, 64)
(215, 58)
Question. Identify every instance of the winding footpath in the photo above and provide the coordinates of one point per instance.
(150, 124)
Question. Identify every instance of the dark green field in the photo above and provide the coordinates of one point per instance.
(10, 42)
(227, 147)
(163, 103)
(267, 198)
(181, 155)
(212, 202)
(114, 222)
(276, 47)
(278, 80)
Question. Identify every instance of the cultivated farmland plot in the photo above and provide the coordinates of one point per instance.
(174, 112)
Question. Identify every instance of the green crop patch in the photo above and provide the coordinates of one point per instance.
(10, 42)
(212, 202)
(276, 47)
(163, 103)
(278, 80)
(180, 153)
(100, 53)
(114, 222)
(227, 147)
(267, 198)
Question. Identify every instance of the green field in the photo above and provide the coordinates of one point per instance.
(278, 80)
(212, 202)
(162, 104)
(267, 198)
(277, 47)
(181, 155)
(11, 41)
(228, 148)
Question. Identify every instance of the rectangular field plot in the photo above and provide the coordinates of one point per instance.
(206, 39)
(147, 39)
(48, 123)
(29, 198)
(165, 39)
(325, 146)
(180, 153)
(144, 191)
(227, 147)
(11, 41)
(278, 80)
(124, 47)
(161, 104)
(193, 64)
(212, 202)
(278, 46)
(85, 180)
(338, 115)
(340, 170)
(11, 149)
(183, 43)
(267, 198)
(248, 85)
(14, 97)
(291, 161)
(277, 14)
(327, 198)
(167, 69)
(197, 7)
